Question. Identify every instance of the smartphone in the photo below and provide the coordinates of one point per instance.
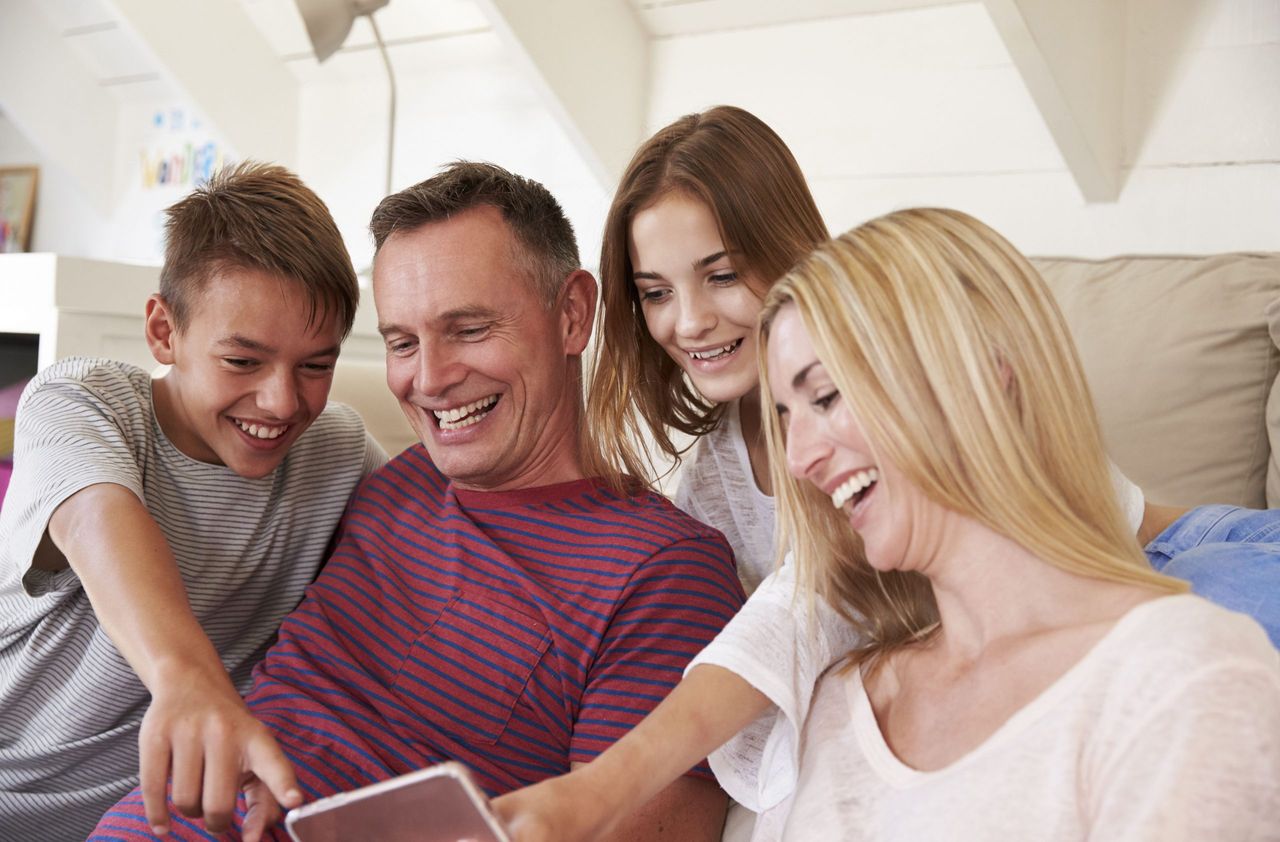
(437, 804)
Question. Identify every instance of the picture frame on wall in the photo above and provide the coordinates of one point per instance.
(17, 207)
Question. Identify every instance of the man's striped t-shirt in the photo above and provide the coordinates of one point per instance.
(517, 632)
(70, 705)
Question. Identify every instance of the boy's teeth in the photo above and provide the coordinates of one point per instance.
(261, 431)
(453, 419)
(851, 486)
(715, 353)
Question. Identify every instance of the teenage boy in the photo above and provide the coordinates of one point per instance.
(158, 531)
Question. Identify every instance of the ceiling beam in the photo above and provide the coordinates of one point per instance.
(597, 84)
(214, 54)
(1071, 57)
(48, 93)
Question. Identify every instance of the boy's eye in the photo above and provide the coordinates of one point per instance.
(318, 367)
(238, 362)
(399, 346)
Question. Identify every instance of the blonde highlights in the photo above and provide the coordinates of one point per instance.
(951, 351)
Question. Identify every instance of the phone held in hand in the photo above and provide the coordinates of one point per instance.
(437, 804)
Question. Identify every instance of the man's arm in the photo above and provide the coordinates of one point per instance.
(197, 728)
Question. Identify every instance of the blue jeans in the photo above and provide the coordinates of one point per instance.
(1230, 555)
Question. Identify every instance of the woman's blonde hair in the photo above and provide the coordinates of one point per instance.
(733, 162)
(952, 354)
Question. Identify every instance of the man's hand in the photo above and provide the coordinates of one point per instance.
(201, 733)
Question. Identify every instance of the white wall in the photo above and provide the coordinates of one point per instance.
(458, 98)
(925, 107)
(150, 128)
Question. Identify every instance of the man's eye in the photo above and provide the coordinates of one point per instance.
(473, 332)
(399, 346)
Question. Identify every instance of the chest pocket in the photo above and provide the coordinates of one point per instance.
(466, 673)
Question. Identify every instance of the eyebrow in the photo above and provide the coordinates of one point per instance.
(802, 375)
(241, 342)
(697, 264)
(457, 314)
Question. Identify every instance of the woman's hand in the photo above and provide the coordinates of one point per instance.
(563, 809)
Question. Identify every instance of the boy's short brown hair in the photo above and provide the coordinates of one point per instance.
(547, 244)
(257, 216)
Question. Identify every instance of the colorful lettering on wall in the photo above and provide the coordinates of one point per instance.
(188, 166)
(179, 152)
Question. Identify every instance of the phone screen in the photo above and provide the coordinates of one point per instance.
(438, 804)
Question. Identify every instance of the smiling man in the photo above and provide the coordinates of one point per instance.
(158, 531)
(487, 601)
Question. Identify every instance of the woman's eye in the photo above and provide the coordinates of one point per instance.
(724, 278)
(824, 401)
(653, 294)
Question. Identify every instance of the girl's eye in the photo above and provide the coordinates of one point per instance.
(724, 278)
(653, 294)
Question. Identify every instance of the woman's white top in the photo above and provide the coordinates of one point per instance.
(1168, 729)
(772, 642)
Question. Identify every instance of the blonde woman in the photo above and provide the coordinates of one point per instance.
(1022, 673)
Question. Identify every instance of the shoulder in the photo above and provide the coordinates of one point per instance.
(1180, 645)
(91, 379)
(337, 433)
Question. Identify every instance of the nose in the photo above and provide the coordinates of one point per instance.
(280, 394)
(696, 317)
(437, 371)
(807, 451)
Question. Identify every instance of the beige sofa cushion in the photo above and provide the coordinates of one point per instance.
(1181, 359)
(362, 385)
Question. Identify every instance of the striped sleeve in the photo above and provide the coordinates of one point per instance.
(674, 605)
(68, 438)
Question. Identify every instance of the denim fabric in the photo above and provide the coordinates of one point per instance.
(1230, 555)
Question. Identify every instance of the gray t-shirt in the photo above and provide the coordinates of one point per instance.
(70, 705)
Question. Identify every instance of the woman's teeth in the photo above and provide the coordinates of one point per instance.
(849, 488)
(261, 431)
(716, 353)
(456, 419)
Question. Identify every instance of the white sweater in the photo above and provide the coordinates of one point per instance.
(771, 642)
(1168, 729)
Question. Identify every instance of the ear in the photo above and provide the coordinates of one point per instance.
(577, 311)
(160, 329)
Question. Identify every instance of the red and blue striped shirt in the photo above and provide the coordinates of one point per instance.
(517, 632)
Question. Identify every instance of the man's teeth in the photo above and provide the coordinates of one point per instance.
(261, 431)
(459, 417)
(851, 486)
(716, 353)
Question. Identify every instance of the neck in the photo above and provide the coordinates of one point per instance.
(753, 438)
(990, 589)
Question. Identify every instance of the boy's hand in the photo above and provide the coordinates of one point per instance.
(201, 733)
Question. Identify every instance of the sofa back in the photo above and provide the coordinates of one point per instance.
(1181, 355)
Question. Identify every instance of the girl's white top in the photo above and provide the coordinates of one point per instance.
(772, 643)
(1168, 729)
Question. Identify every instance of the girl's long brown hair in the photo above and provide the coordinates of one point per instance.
(733, 162)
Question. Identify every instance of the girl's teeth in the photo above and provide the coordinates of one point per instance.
(850, 487)
(717, 353)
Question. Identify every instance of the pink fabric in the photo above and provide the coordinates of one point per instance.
(6, 471)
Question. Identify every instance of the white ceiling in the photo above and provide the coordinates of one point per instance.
(120, 61)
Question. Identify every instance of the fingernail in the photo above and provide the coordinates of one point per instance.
(159, 829)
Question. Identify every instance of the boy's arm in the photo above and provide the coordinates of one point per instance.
(197, 728)
(627, 792)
